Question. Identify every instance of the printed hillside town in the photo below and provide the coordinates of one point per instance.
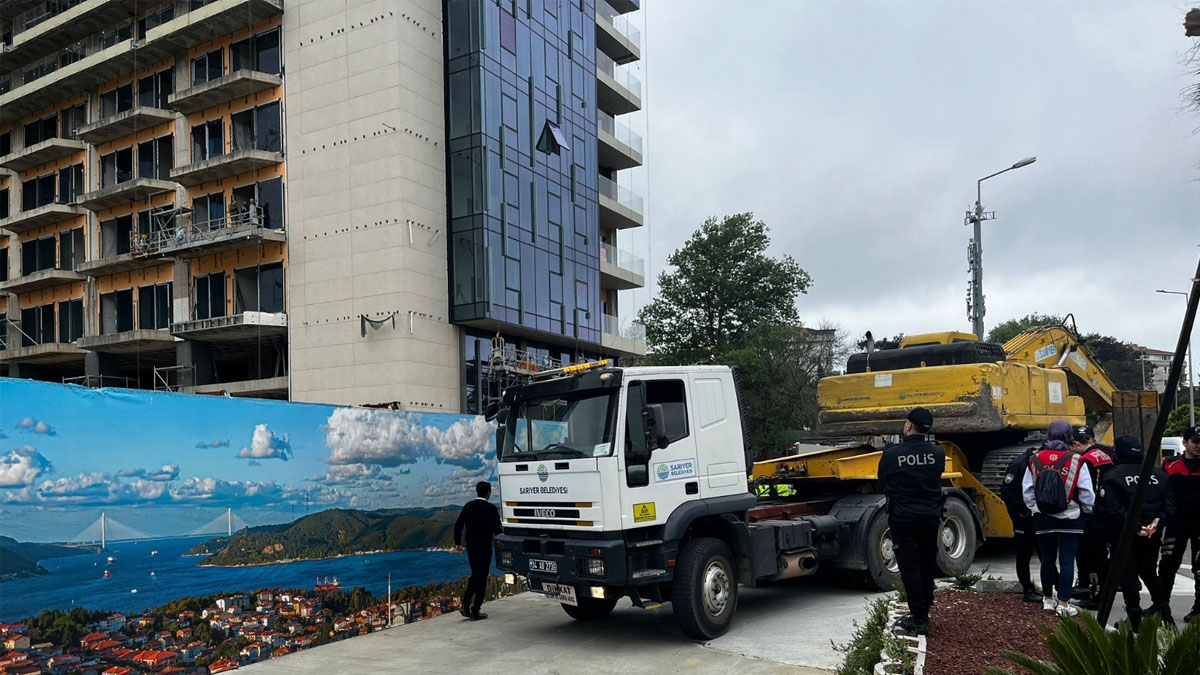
(233, 631)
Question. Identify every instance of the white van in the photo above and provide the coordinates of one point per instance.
(1172, 446)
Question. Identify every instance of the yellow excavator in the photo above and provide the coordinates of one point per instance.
(989, 404)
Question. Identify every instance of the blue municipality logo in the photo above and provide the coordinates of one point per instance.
(543, 474)
(663, 471)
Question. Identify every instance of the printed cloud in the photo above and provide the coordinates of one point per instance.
(22, 466)
(36, 426)
(364, 436)
(266, 445)
(205, 445)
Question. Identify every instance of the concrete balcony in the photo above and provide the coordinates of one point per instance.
(50, 353)
(140, 341)
(620, 207)
(122, 262)
(90, 61)
(620, 146)
(619, 92)
(38, 32)
(626, 338)
(136, 190)
(619, 269)
(625, 6)
(238, 84)
(40, 153)
(267, 387)
(225, 166)
(49, 214)
(124, 124)
(184, 238)
(234, 328)
(616, 35)
(39, 280)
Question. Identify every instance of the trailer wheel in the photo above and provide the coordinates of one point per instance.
(704, 595)
(957, 540)
(590, 609)
(883, 571)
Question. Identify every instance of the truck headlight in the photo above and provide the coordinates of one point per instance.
(504, 559)
(593, 567)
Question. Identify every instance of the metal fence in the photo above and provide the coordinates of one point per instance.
(183, 231)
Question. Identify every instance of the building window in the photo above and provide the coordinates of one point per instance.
(155, 19)
(71, 251)
(5, 143)
(260, 52)
(116, 312)
(210, 296)
(257, 129)
(154, 220)
(122, 33)
(37, 325)
(259, 204)
(4, 264)
(208, 140)
(207, 68)
(154, 306)
(116, 100)
(3, 331)
(155, 158)
(37, 192)
(70, 320)
(116, 167)
(154, 90)
(259, 289)
(209, 211)
(4, 203)
(37, 255)
(41, 130)
(73, 118)
(70, 183)
(115, 235)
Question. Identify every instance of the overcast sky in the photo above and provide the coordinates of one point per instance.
(857, 130)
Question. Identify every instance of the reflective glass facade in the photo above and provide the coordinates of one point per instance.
(522, 165)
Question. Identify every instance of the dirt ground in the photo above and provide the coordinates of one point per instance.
(969, 630)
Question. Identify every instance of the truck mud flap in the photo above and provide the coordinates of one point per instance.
(854, 514)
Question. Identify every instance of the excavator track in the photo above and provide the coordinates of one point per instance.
(991, 474)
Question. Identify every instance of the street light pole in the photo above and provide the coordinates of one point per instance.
(1191, 382)
(976, 216)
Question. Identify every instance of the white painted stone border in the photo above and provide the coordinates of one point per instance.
(916, 644)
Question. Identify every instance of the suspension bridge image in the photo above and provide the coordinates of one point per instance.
(106, 529)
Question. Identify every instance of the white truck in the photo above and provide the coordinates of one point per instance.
(632, 482)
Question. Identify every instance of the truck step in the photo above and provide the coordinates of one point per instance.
(642, 574)
(645, 542)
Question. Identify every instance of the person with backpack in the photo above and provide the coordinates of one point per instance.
(1184, 474)
(1116, 496)
(1058, 490)
(1092, 558)
(1022, 520)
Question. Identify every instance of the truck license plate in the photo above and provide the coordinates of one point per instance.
(536, 565)
(562, 593)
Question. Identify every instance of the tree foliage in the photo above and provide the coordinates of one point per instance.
(724, 285)
(1179, 420)
(1003, 332)
(1121, 360)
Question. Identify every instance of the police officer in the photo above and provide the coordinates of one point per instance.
(1092, 557)
(1184, 474)
(1116, 495)
(911, 476)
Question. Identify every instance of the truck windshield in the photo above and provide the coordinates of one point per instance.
(559, 427)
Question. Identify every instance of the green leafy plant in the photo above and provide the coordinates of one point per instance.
(1086, 648)
(901, 594)
(867, 642)
(966, 581)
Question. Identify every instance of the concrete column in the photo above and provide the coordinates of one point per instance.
(96, 364)
(199, 356)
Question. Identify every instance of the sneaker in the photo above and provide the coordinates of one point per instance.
(478, 616)
(1031, 595)
(910, 625)
(1048, 604)
(1066, 610)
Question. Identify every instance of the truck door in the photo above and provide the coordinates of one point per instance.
(717, 434)
(671, 476)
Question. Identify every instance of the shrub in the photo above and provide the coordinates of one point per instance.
(870, 641)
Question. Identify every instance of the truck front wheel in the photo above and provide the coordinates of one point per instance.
(956, 539)
(590, 609)
(883, 571)
(704, 595)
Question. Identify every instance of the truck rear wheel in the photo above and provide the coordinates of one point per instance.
(883, 571)
(704, 595)
(956, 550)
(590, 609)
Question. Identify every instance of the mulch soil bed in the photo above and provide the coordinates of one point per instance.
(969, 630)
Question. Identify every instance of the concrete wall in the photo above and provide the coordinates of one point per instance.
(366, 201)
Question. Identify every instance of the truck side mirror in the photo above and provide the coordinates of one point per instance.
(500, 430)
(502, 416)
(653, 414)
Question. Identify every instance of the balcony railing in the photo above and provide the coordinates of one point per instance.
(623, 259)
(620, 22)
(621, 195)
(183, 232)
(619, 131)
(630, 329)
(621, 75)
(44, 11)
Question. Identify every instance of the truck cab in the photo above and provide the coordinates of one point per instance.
(608, 478)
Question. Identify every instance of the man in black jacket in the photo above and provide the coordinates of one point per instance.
(911, 477)
(1184, 474)
(481, 520)
(1116, 495)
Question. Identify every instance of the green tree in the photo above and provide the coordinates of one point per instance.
(1178, 420)
(723, 286)
(1121, 360)
(1003, 332)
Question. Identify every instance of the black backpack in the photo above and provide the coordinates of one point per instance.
(1010, 490)
(1049, 486)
